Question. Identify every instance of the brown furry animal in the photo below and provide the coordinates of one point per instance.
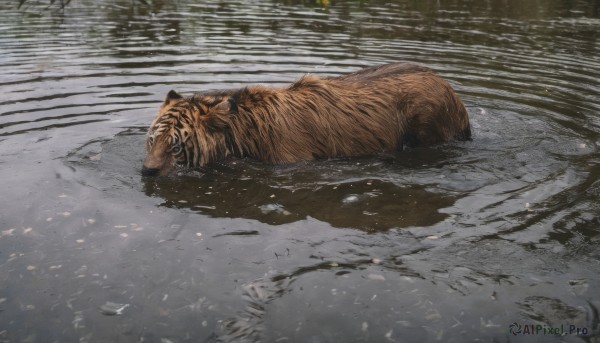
(374, 110)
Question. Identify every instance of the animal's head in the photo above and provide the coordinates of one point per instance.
(190, 131)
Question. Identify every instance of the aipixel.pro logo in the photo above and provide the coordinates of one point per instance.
(517, 329)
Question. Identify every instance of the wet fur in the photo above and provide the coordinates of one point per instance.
(374, 110)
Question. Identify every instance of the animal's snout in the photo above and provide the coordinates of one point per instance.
(150, 171)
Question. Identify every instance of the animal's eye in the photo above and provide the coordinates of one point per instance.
(176, 146)
(151, 140)
(176, 149)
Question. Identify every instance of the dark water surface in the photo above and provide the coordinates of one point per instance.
(451, 244)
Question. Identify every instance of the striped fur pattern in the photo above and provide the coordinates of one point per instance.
(375, 110)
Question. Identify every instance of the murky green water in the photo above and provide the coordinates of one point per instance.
(451, 244)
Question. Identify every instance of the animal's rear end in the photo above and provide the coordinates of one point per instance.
(437, 113)
(429, 110)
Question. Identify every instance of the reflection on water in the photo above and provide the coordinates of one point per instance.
(369, 205)
(452, 243)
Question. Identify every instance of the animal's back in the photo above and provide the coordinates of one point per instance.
(374, 110)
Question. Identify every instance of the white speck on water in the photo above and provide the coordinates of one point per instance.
(205, 207)
(528, 207)
(138, 228)
(27, 230)
(204, 323)
(272, 196)
(91, 221)
(364, 326)
(199, 234)
(182, 201)
(377, 277)
(64, 214)
(165, 297)
(582, 145)
(30, 268)
(277, 208)
(350, 199)
(334, 264)
(408, 278)
(77, 321)
(165, 340)
(376, 261)
(388, 335)
(80, 241)
(488, 323)
(432, 314)
(95, 157)
(83, 269)
(456, 322)
(8, 232)
(62, 195)
(56, 266)
(373, 297)
(111, 308)
(124, 235)
(433, 237)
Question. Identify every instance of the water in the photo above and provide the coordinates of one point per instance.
(452, 243)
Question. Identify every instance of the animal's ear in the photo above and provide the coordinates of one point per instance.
(216, 122)
(221, 115)
(222, 107)
(171, 96)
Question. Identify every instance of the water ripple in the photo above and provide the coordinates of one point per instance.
(505, 226)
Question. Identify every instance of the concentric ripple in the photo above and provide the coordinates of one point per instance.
(453, 243)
